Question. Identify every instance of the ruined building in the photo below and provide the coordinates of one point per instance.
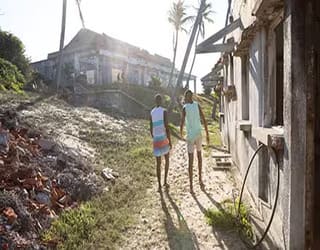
(268, 76)
(102, 59)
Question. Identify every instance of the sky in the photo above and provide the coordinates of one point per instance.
(143, 23)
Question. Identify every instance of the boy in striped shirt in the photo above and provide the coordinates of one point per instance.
(160, 133)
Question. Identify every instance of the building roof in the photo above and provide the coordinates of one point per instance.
(209, 45)
(88, 39)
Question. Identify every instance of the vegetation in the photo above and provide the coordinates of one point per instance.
(178, 18)
(62, 35)
(10, 76)
(142, 93)
(206, 12)
(155, 82)
(12, 50)
(100, 223)
(226, 218)
(207, 90)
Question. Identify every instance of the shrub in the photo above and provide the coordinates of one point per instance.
(12, 50)
(207, 91)
(10, 76)
(155, 82)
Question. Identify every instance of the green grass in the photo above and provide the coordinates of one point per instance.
(101, 222)
(142, 93)
(227, 219)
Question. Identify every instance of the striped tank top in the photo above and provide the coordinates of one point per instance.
(160, 140)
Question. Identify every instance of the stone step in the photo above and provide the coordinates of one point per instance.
(217, 156)
(223, 163)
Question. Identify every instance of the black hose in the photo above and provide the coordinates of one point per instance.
(276, 197)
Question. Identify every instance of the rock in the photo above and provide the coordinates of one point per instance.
(4, 141)
(24, 194)
(108, 174)
(46, 144)
(10, 120)
(10, 214)
(115, 174)
(43, 198)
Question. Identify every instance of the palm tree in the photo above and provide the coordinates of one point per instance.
(80, 12)
(178, 18)
(63, 29)
(186, 56)
(206, 12)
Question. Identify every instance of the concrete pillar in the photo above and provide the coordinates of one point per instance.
(98, 69)
(294, 125)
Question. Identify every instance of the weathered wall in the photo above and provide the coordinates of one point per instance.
(297, 217)
(262, 180)
(111, 100)
(295, 123)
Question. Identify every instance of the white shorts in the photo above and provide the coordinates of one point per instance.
(197, 142)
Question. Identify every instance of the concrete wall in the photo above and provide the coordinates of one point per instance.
(262, 180)
(103, 63)
(111, 100)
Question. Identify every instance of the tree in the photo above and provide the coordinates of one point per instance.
(178, 18)
(207, 90)
(12, 50)
(206, 12)
(63, 29)
(10, 76)
(62, 35)
(186, 56)
(155, 82)
(80, 13)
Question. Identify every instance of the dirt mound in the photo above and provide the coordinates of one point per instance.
(39, 179)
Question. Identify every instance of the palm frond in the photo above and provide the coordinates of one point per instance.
(80, 12)
(177, 15)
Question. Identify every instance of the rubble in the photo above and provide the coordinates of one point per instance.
(109, 174)
(38, 180)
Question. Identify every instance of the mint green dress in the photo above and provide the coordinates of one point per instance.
(193, 123)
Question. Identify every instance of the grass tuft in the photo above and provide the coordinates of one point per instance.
(226, 218)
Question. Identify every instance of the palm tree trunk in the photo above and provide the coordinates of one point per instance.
(186, 56)
(194, 59)
(63, 28)
(80, 14)
(174, 58)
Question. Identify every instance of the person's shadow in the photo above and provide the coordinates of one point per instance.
(179, 235)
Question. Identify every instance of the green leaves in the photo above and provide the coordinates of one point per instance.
(10, 76)
(12, 50)
(178, 16)
(226, 218)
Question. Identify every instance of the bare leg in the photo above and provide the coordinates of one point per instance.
(199, 156)
(191, 170)
(159, 172)
(166, 170)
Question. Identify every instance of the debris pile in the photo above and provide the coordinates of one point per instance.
(38, 180)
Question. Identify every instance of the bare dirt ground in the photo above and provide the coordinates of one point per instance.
(174, 219)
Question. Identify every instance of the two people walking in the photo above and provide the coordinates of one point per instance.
(191, 116)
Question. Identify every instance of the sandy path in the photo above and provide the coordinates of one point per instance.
(175, 219)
